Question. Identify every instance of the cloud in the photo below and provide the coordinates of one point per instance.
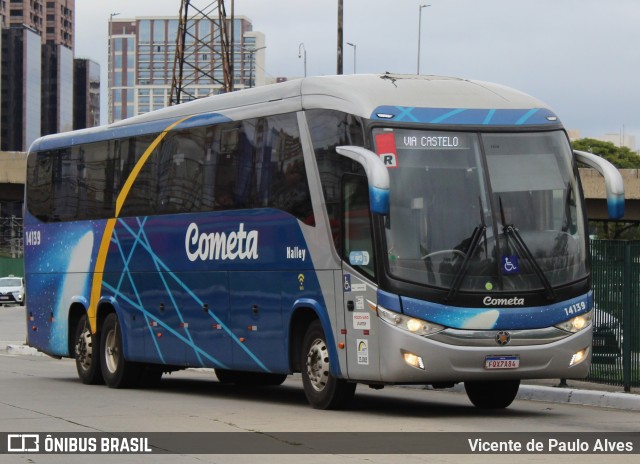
(579, 56)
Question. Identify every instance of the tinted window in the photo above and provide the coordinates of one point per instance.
(246, 164)
(330, 129)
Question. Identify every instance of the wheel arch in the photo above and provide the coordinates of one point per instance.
(304, 312)
(76, 311)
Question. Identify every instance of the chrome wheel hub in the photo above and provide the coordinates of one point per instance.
(318, 364)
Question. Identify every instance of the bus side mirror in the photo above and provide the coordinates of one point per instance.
(612, 180)
(377, 175)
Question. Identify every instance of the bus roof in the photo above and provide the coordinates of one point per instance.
(360, 95)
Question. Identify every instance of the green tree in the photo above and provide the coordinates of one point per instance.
(620, 157)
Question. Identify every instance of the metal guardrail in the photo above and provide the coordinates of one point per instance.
(616, 341)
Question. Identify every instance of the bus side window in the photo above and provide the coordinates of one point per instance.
(180, 172)
(357, 227)
(329, 129)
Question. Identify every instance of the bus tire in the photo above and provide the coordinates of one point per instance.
(322, 389)
(492, 395)
(116, 371)
(86, 352)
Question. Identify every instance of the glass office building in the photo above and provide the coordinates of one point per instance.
(86, 94)
(20, 121)
(141, 60)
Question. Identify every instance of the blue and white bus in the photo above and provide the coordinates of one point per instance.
(373, 229)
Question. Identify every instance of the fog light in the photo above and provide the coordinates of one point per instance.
(579, 356)
(413, 360)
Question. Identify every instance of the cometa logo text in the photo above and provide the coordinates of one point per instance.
(219, 245)
(488, 301)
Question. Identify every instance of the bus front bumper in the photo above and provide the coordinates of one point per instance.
(406, 358)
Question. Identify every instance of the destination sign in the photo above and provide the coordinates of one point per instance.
(388, 141)
(433, 141)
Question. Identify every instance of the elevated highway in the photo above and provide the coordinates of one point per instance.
(13, 170)
(596, 197)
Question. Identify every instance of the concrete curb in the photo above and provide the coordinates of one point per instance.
(17, 349)
(602, 399)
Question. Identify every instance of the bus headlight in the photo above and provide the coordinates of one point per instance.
(577, 323)
(410, 324)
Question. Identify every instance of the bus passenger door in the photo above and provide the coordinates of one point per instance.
(358, 277)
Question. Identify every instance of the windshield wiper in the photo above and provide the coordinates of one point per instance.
(524, 249)
(477, 234)
(510, 229)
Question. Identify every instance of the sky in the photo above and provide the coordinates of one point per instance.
(581, 57)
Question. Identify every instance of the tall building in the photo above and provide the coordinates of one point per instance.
(57, 89)
(37, 70)
(620, 139)
(51, 19)
(86, 94)
(21, 90)
(141, 57)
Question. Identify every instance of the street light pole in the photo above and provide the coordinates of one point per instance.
(339, 70)
(301, 50)
(252, 54)
(420, 31)
(354, 56)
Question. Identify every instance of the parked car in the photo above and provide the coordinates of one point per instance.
(607, 337)
(11, 290)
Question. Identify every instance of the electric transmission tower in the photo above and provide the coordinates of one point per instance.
(203, 53)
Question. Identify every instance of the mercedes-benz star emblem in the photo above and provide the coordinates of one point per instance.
(503, 338)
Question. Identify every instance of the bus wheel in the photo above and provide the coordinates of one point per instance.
(322, 389)
(492, 395)
(86, 353)
(116, 371)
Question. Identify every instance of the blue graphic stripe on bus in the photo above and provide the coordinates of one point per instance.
(127, 274)
(390, 301)
(447, 116)
(161, 265)
(487, 119)
(525, 117)
(465, 116)
(153, 337)
(498, 318)
(163, 325)
(166, 286)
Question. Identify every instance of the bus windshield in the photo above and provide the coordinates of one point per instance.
(482, 211)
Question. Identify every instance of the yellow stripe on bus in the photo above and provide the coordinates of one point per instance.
(138, 167)
(96, 286)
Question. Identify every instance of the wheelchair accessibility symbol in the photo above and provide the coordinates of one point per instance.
(347, 282)
(510, 265)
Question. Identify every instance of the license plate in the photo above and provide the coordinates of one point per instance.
(502, 362)
(4, 297)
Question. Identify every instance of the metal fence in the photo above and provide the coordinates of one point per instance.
(616, 340)
(11, 242)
